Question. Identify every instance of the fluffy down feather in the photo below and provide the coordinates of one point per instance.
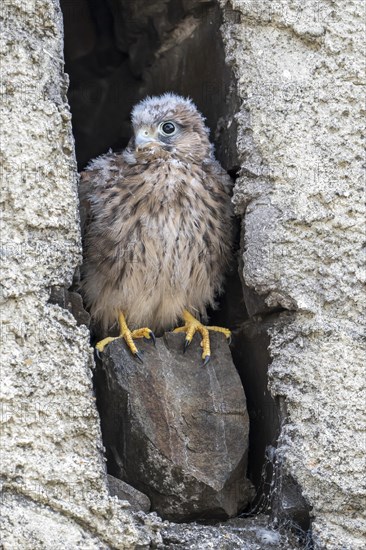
(158, 221)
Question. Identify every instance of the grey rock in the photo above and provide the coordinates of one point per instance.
(72, 301)
(124, 491)
(238, 534)
(176, 430)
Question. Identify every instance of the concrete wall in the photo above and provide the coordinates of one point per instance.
(54, 492)
(299, 70)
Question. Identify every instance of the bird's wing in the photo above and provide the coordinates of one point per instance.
(100, 174)
(215, 170)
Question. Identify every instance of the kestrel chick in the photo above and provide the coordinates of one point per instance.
(158, 235)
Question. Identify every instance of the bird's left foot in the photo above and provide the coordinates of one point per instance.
(128, 337)
(191, 326)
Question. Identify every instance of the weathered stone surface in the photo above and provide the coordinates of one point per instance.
(124, 491)
(177, 431)
(237, 534)
(72, 301)
(299, 68)
(53, 484)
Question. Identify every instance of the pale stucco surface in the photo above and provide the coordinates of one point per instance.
(300, 74)
(53, 472)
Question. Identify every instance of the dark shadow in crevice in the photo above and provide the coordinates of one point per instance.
(116, 55)
(118, 52)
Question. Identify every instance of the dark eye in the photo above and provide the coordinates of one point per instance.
(168, 128)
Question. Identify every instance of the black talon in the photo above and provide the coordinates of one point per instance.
(206, 360)
(138, 356)
(186, 345)
(152, 336)
(97, 353)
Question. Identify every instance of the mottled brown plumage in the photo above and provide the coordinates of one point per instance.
(158, 233)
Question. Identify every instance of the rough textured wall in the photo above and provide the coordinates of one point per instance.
(54, 492)
(299, 69)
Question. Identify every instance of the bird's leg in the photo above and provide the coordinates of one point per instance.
(128, 336)
(193, 325)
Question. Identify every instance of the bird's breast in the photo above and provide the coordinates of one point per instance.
(174, 184)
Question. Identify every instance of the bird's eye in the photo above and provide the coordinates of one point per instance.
(168, 128)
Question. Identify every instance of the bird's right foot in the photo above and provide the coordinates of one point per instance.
(193, 325)
(128, 337)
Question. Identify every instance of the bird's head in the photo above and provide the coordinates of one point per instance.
(170, 123)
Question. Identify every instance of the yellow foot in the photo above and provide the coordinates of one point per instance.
(192, 325)
(128, 337)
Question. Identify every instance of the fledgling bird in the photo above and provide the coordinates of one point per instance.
(159, 230)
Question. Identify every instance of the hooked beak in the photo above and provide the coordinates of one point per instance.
(144, 136)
